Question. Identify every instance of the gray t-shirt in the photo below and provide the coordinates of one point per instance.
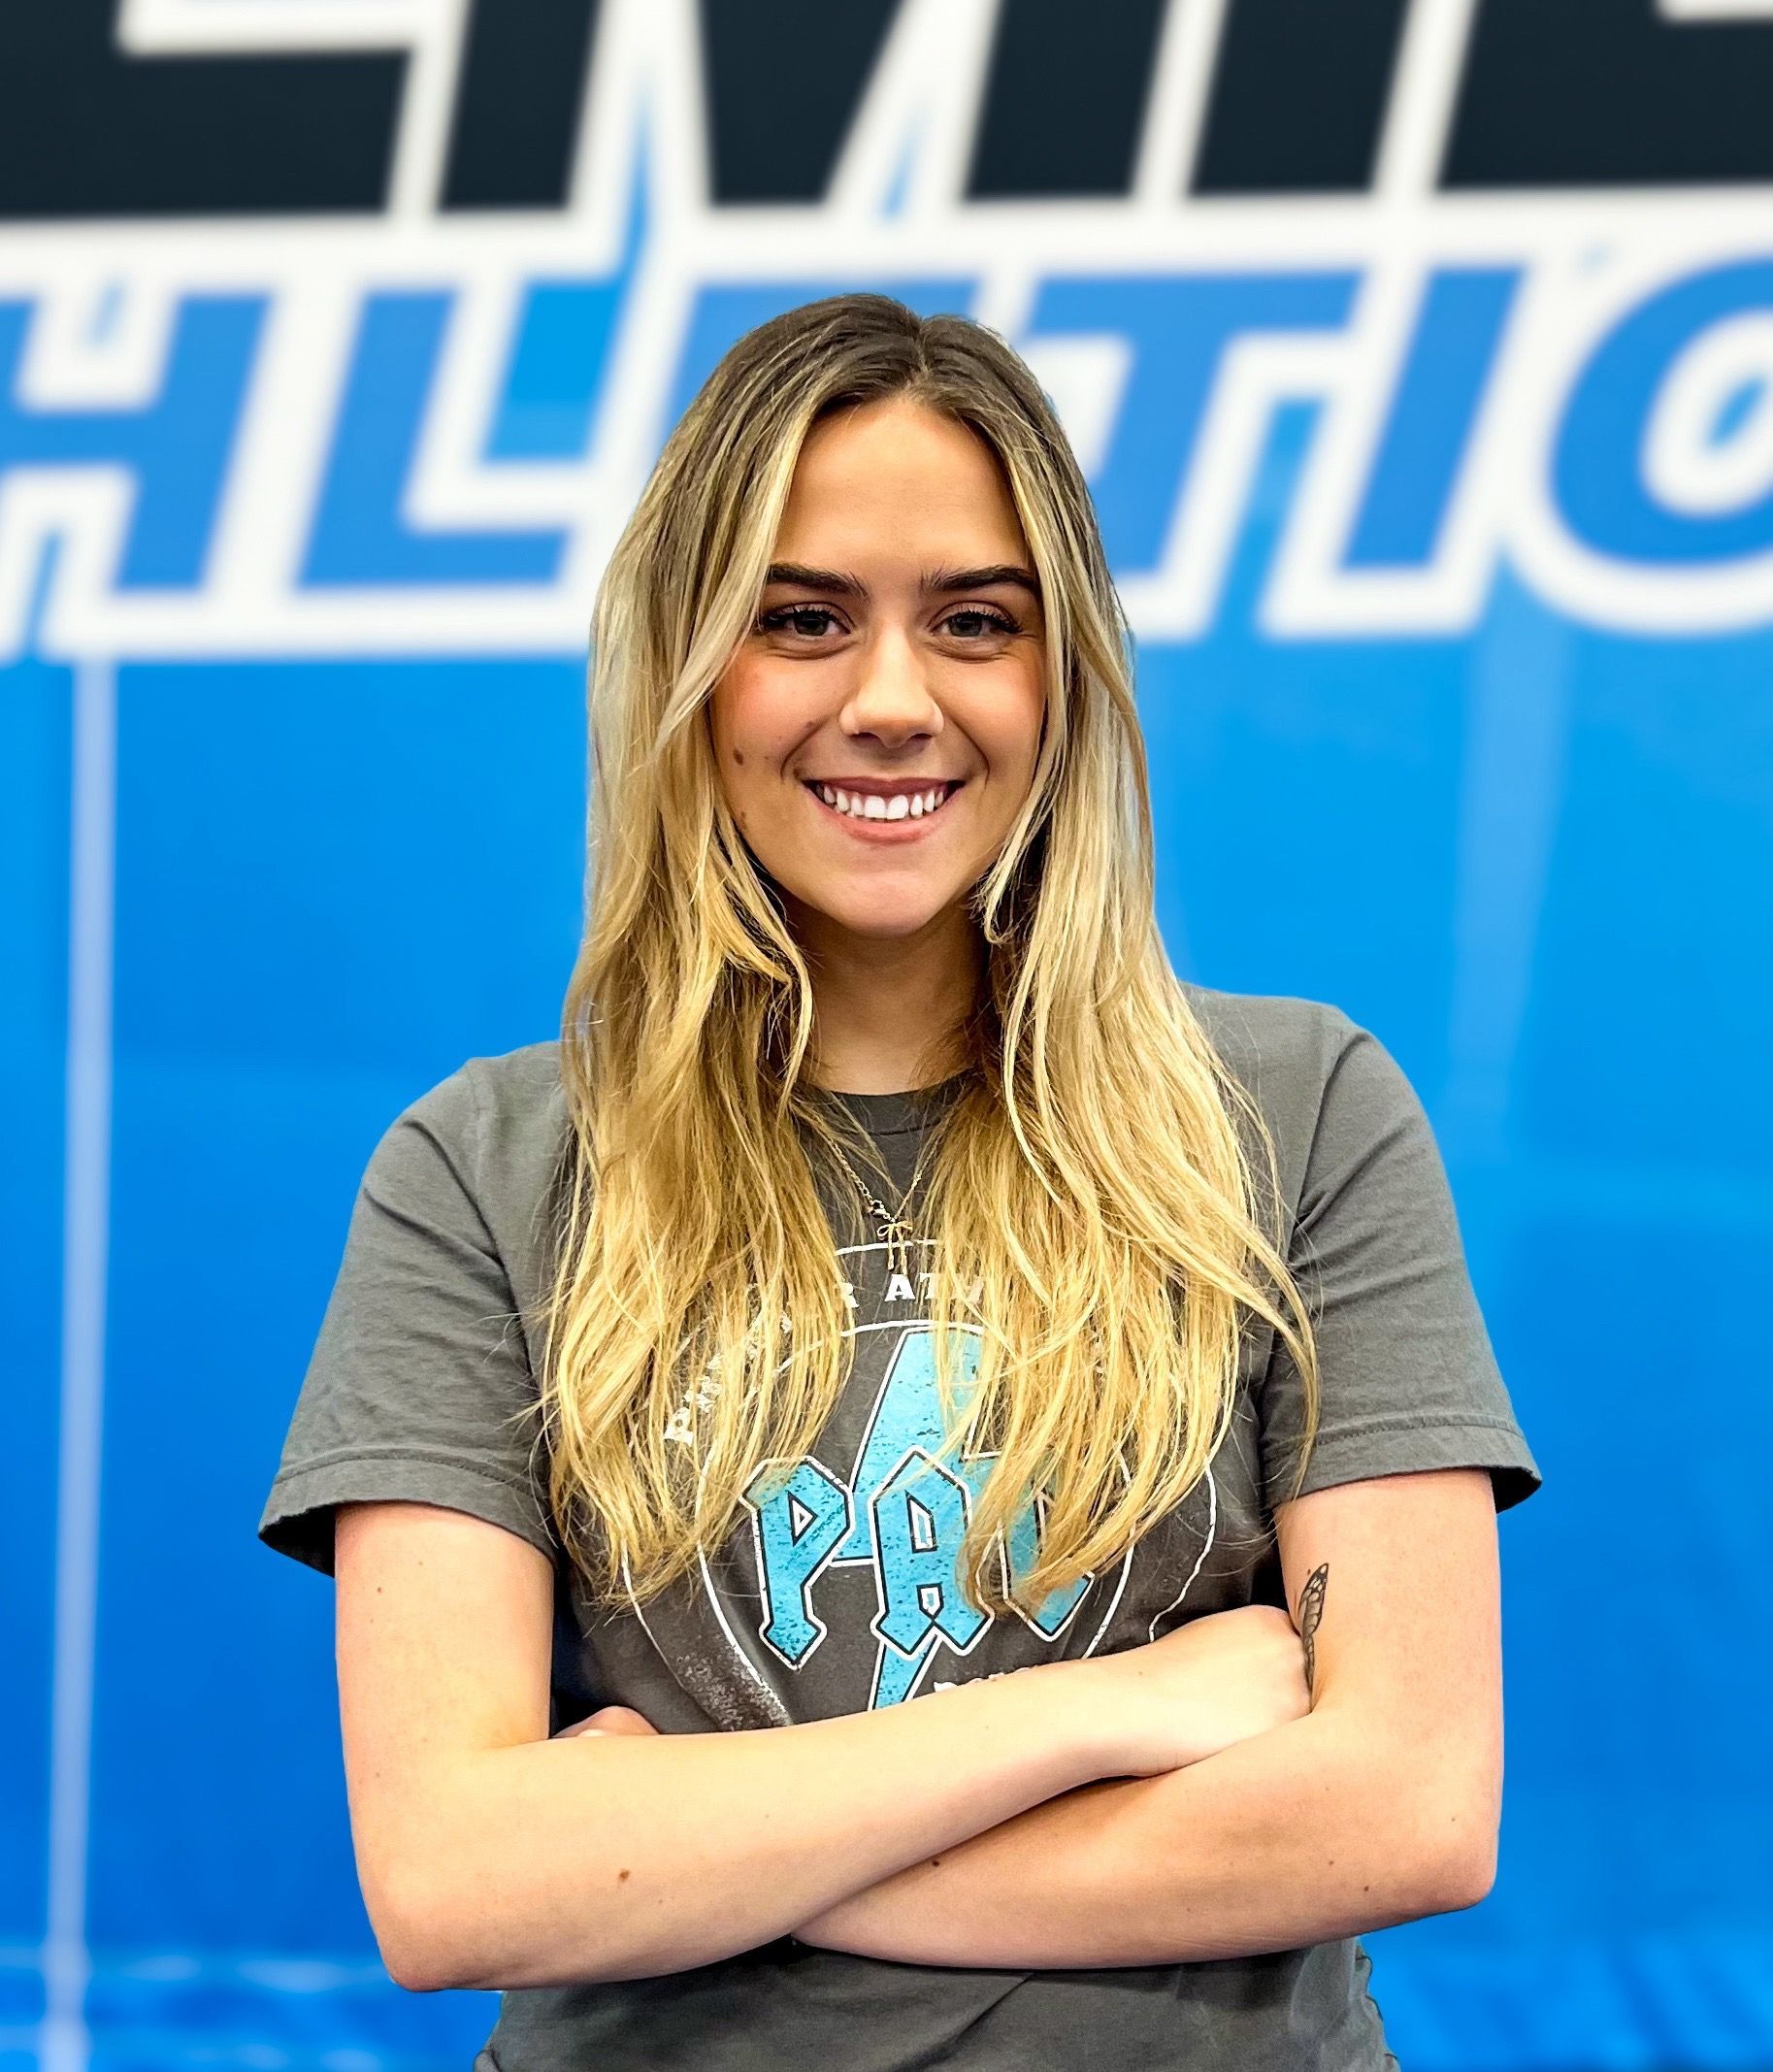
(840, 1592)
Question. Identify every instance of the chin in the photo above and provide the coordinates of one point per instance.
(879, 921)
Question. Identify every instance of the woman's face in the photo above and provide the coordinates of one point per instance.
(897, 647)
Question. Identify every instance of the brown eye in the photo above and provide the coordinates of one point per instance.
(782, 617)
(985, 618)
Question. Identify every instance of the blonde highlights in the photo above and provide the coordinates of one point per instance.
(1103, 1194)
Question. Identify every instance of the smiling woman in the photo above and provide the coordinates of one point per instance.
(817, 1458)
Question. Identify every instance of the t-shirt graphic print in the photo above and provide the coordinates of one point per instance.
(842, 1589)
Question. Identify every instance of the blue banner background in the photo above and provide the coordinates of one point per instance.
(253, 905)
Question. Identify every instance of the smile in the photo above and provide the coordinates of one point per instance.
(903, 818)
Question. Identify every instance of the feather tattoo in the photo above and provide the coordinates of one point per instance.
(1311, 1613)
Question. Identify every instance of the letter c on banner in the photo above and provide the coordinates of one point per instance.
(1657, 461)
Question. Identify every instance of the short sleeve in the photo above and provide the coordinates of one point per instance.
(1408, 1378)
(419, 1385)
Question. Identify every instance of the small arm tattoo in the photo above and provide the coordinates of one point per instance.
(1311, 1612)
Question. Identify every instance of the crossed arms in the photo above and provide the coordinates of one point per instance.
(1380, 1805)
(979, 1826)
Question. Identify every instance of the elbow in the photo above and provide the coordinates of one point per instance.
(1455, 1848)
(1450, 1887)
(426, 1949)
(411, 1978)
(1453, 1822)
(1468, 1874)
(416, 1951)
(414, 1966)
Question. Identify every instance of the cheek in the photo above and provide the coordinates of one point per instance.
(1015, 723)
(754, 722)
(753, 730)
(732, 732)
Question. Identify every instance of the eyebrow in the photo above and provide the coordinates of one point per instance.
(939, 582)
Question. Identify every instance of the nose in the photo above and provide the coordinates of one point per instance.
(893, 698)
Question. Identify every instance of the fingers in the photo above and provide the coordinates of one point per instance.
(610, 1719)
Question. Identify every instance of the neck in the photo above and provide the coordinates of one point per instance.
(888, 1009)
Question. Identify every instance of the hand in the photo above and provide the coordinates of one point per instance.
(610, 1719)
(1212, 1681)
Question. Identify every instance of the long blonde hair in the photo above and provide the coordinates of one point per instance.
(1105, 1234)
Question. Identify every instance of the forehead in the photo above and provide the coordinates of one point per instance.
(898, 475)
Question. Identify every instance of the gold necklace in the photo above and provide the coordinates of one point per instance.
(895, 1230)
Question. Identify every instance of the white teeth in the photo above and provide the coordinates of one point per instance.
(870, 805)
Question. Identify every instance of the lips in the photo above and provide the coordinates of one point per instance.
(907, 827)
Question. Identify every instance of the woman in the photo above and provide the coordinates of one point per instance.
(902, 1672)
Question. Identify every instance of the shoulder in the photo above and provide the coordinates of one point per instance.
(521, 1103)
(499, 1123)
(497, 1108)
(1284, 1049)
(1326, 1087)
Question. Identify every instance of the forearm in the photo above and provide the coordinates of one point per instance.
(1293, 1836)
(616, 1857)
